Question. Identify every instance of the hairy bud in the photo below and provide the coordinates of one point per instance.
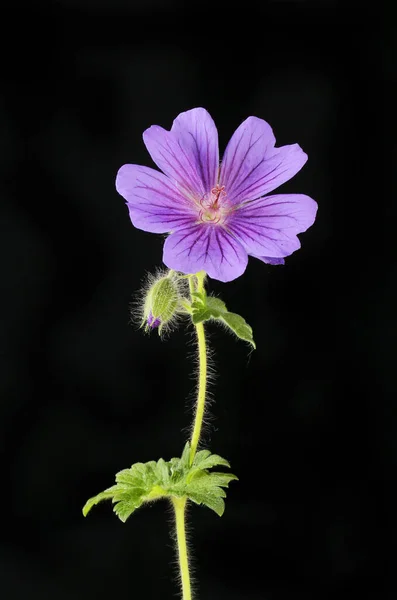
(161, 302)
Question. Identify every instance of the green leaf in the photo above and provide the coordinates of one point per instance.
(162, 471)
(200, 314)
(208, 307)
(223, 479)
(207, 488)
(239, 327)
(200, 311)
(125, 503)
(204, 487)
(216, 306)
(200, 456)
(205, 460)
(145, 482)
(106, 495)
(133, 487)
(185, 458)
(214, 503)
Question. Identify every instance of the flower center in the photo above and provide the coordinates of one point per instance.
(214, 206)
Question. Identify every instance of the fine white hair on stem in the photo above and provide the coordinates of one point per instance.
(175, 561)
(191, 402)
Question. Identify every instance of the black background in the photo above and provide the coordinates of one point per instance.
(309, 420)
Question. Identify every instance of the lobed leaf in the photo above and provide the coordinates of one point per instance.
(106, 495)
(145, 482)
(215, 503)
(205, 460)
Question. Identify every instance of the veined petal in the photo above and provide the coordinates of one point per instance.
(252, 166)
(251, 141)
(203, 247)
(154, 202)
(267, 227)
(197, 134)
(175, 160)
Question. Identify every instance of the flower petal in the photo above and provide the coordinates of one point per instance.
(271, 261)
(252, 166)
(196, 132)
(267, 227)
(208, 248)
(174, 160)
(154, 202)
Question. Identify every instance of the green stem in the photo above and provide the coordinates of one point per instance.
(202, 387)
(180, 508)
(196, 283)
(203, 373)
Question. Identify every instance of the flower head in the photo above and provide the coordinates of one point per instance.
(217, 214)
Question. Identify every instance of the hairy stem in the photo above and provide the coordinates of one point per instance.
(179, 508)
(196, 283)
(202, 378)
(202, 387)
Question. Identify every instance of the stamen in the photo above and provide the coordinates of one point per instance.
(214, 208)
(218, 191)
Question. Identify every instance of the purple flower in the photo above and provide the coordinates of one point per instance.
(217, 214)
(153, 322)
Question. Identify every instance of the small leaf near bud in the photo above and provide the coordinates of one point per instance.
(206, 307)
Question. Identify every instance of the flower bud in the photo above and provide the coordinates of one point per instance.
(161, 303)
